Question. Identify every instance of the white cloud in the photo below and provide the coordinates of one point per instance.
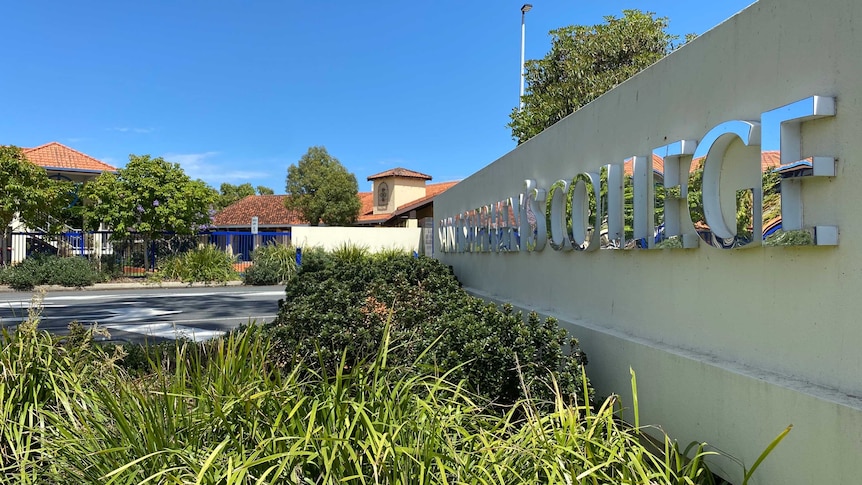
(126, 129)
(194, 164)
(214, 172)
(394, 162)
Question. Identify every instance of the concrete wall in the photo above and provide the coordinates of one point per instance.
(730, 346)
(402, 191)
(374, 238)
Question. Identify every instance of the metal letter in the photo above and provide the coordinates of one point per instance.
(784, 170)
(705, 175)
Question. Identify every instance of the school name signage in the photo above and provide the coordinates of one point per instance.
(671, 199)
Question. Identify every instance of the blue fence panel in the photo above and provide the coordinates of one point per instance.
(243, 244)
(127, 255)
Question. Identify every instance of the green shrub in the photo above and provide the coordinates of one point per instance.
(314, 258)
(389, 253)
(24, 275)
(207, 264)
(110, 266)
(348, 252)
(170, 268)
(800, 237)
(74, 271)
(339, 307)
(139, 358)
(51, 270)
(219, 412)
(272, 264)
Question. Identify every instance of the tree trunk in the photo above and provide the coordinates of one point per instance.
(146, 254)
(3, 246)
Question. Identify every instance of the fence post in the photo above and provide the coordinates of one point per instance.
(299, 256)
(19, 247)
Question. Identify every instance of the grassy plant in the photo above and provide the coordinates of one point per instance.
(348, 252)
(385, 254)
(41, 376)
(4, 274)
(207, 264)
(274, 264)
(221, 413)
(170, 268)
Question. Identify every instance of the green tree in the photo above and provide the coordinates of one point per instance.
(322, 190)
(150, 196)
(584, 62)
(26, 190)
(229, 193)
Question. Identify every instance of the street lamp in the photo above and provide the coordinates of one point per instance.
(524, 9)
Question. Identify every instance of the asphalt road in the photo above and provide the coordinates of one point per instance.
(149, 313)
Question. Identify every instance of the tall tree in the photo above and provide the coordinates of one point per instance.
(149, 196)
(26, 190)
(229, 193)
(322, 190)
(584, 62)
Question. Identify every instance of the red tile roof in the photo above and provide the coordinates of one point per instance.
(367, 216)
(59, 157)
(366, 211)
(768, 160)
(400, 172)
(657, 165)
(269, 210)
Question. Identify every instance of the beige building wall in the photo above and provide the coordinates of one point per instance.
(729, 346)
(373, 238)
(401, 191)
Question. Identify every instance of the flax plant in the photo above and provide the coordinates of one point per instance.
(41, 376)
(221, 413)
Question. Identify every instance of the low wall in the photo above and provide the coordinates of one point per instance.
(373, 238)
(730, 344)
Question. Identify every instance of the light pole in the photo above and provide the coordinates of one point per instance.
(524, 9)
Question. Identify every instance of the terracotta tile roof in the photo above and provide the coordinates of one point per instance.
(400, 172)
(366, 212)
(269, 210)
(770, 160)
(657, 165)
(56, 156)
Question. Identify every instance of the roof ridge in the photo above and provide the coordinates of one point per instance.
(50, 143)
(83, 154)
(23, 149)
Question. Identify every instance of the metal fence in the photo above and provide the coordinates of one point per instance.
(134, 254)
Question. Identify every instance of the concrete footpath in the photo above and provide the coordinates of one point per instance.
(129, 285)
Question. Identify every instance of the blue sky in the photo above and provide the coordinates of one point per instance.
(237, 91)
